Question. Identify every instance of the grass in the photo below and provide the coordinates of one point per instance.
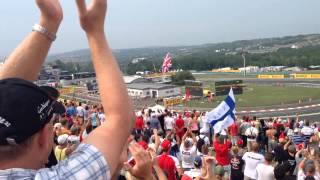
(211, 76)
(258, 95)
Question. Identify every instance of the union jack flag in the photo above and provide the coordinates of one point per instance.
(167, 63)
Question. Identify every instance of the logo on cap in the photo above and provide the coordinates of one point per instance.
(4, 122)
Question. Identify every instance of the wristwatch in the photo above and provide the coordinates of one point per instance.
(42, 30)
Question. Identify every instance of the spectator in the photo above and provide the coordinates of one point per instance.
(169, 164)
(265, 170)
(188, 150)
(236, 165)
(222, 147)
(30, 146)
(252, 159)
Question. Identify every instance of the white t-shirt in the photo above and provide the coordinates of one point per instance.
(168, 121)
(265, 172)
(188, 156)
(204, 125)
(251, 160)
(308, 131)
(102, 117)
(251, 132)
(193, 173)
(80, 111)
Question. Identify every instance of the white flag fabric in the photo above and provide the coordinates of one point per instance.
(223, 116)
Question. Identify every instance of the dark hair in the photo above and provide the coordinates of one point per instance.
(268, 157)
(307, 122)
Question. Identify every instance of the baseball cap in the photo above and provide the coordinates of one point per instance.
(296, 130)
(24, 110)
(166, 144)
(62, 139)
(198, 161)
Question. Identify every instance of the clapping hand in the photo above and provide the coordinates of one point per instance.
(92, 17)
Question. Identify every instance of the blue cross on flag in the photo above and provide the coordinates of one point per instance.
(223, 116)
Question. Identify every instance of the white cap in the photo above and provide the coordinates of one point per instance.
(57, 125)
(62, 139)
(296, 130)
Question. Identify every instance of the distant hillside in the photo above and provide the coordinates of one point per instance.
(204, 57)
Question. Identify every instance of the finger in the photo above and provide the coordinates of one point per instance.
(82, 7)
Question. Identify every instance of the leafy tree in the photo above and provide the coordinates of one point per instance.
(180, 77)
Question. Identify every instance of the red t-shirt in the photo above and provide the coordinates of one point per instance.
(180, 123)
(168, 165)
(234, 129)
(222, 153)
(139, 123)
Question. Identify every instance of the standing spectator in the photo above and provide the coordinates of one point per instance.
(101, 115)
(243, 128)
(234, 133)
(188, 150)
(168, 123)
(251, 134)
(193, 125)
(169, 164)
(252, 159)
(179, 128)
(28, 149)
(236, 165)
(222, 147)
(297, 138)
(154, 122)
(80, 111)
(139, 124)
(265, 170)
(307, 132)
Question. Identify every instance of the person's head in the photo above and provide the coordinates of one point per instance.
(26, 129)
(166, 146)
(187, 143)
(292, 150)
(63, 140)
(198, 162)
(221, 139)
(64, 122)
(310, 169)
(255, 147)
(79, 104)
(75, 130)
(235, 150)
(219, 172)
(268, 157)
(307, 122)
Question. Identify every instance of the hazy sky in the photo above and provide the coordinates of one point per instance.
(141, 23)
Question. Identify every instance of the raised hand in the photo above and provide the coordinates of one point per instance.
(92, 17)
(51, 11)
(143, 167)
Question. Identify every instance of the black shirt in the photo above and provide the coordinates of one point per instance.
(236, 167)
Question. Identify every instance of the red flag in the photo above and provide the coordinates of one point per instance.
(167, 63)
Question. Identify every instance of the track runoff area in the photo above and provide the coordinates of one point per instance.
(305, 108)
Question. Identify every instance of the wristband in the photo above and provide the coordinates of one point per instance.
(42, 30)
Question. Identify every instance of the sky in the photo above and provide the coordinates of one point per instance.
(144, 23)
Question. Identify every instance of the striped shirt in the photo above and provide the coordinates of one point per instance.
(84, 163)
(297, 139)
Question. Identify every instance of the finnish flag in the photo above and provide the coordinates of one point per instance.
(223, 116)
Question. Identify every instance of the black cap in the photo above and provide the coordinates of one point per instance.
(24, 110)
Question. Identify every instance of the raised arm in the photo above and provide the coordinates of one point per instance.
(26, 60)
(111, 136)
